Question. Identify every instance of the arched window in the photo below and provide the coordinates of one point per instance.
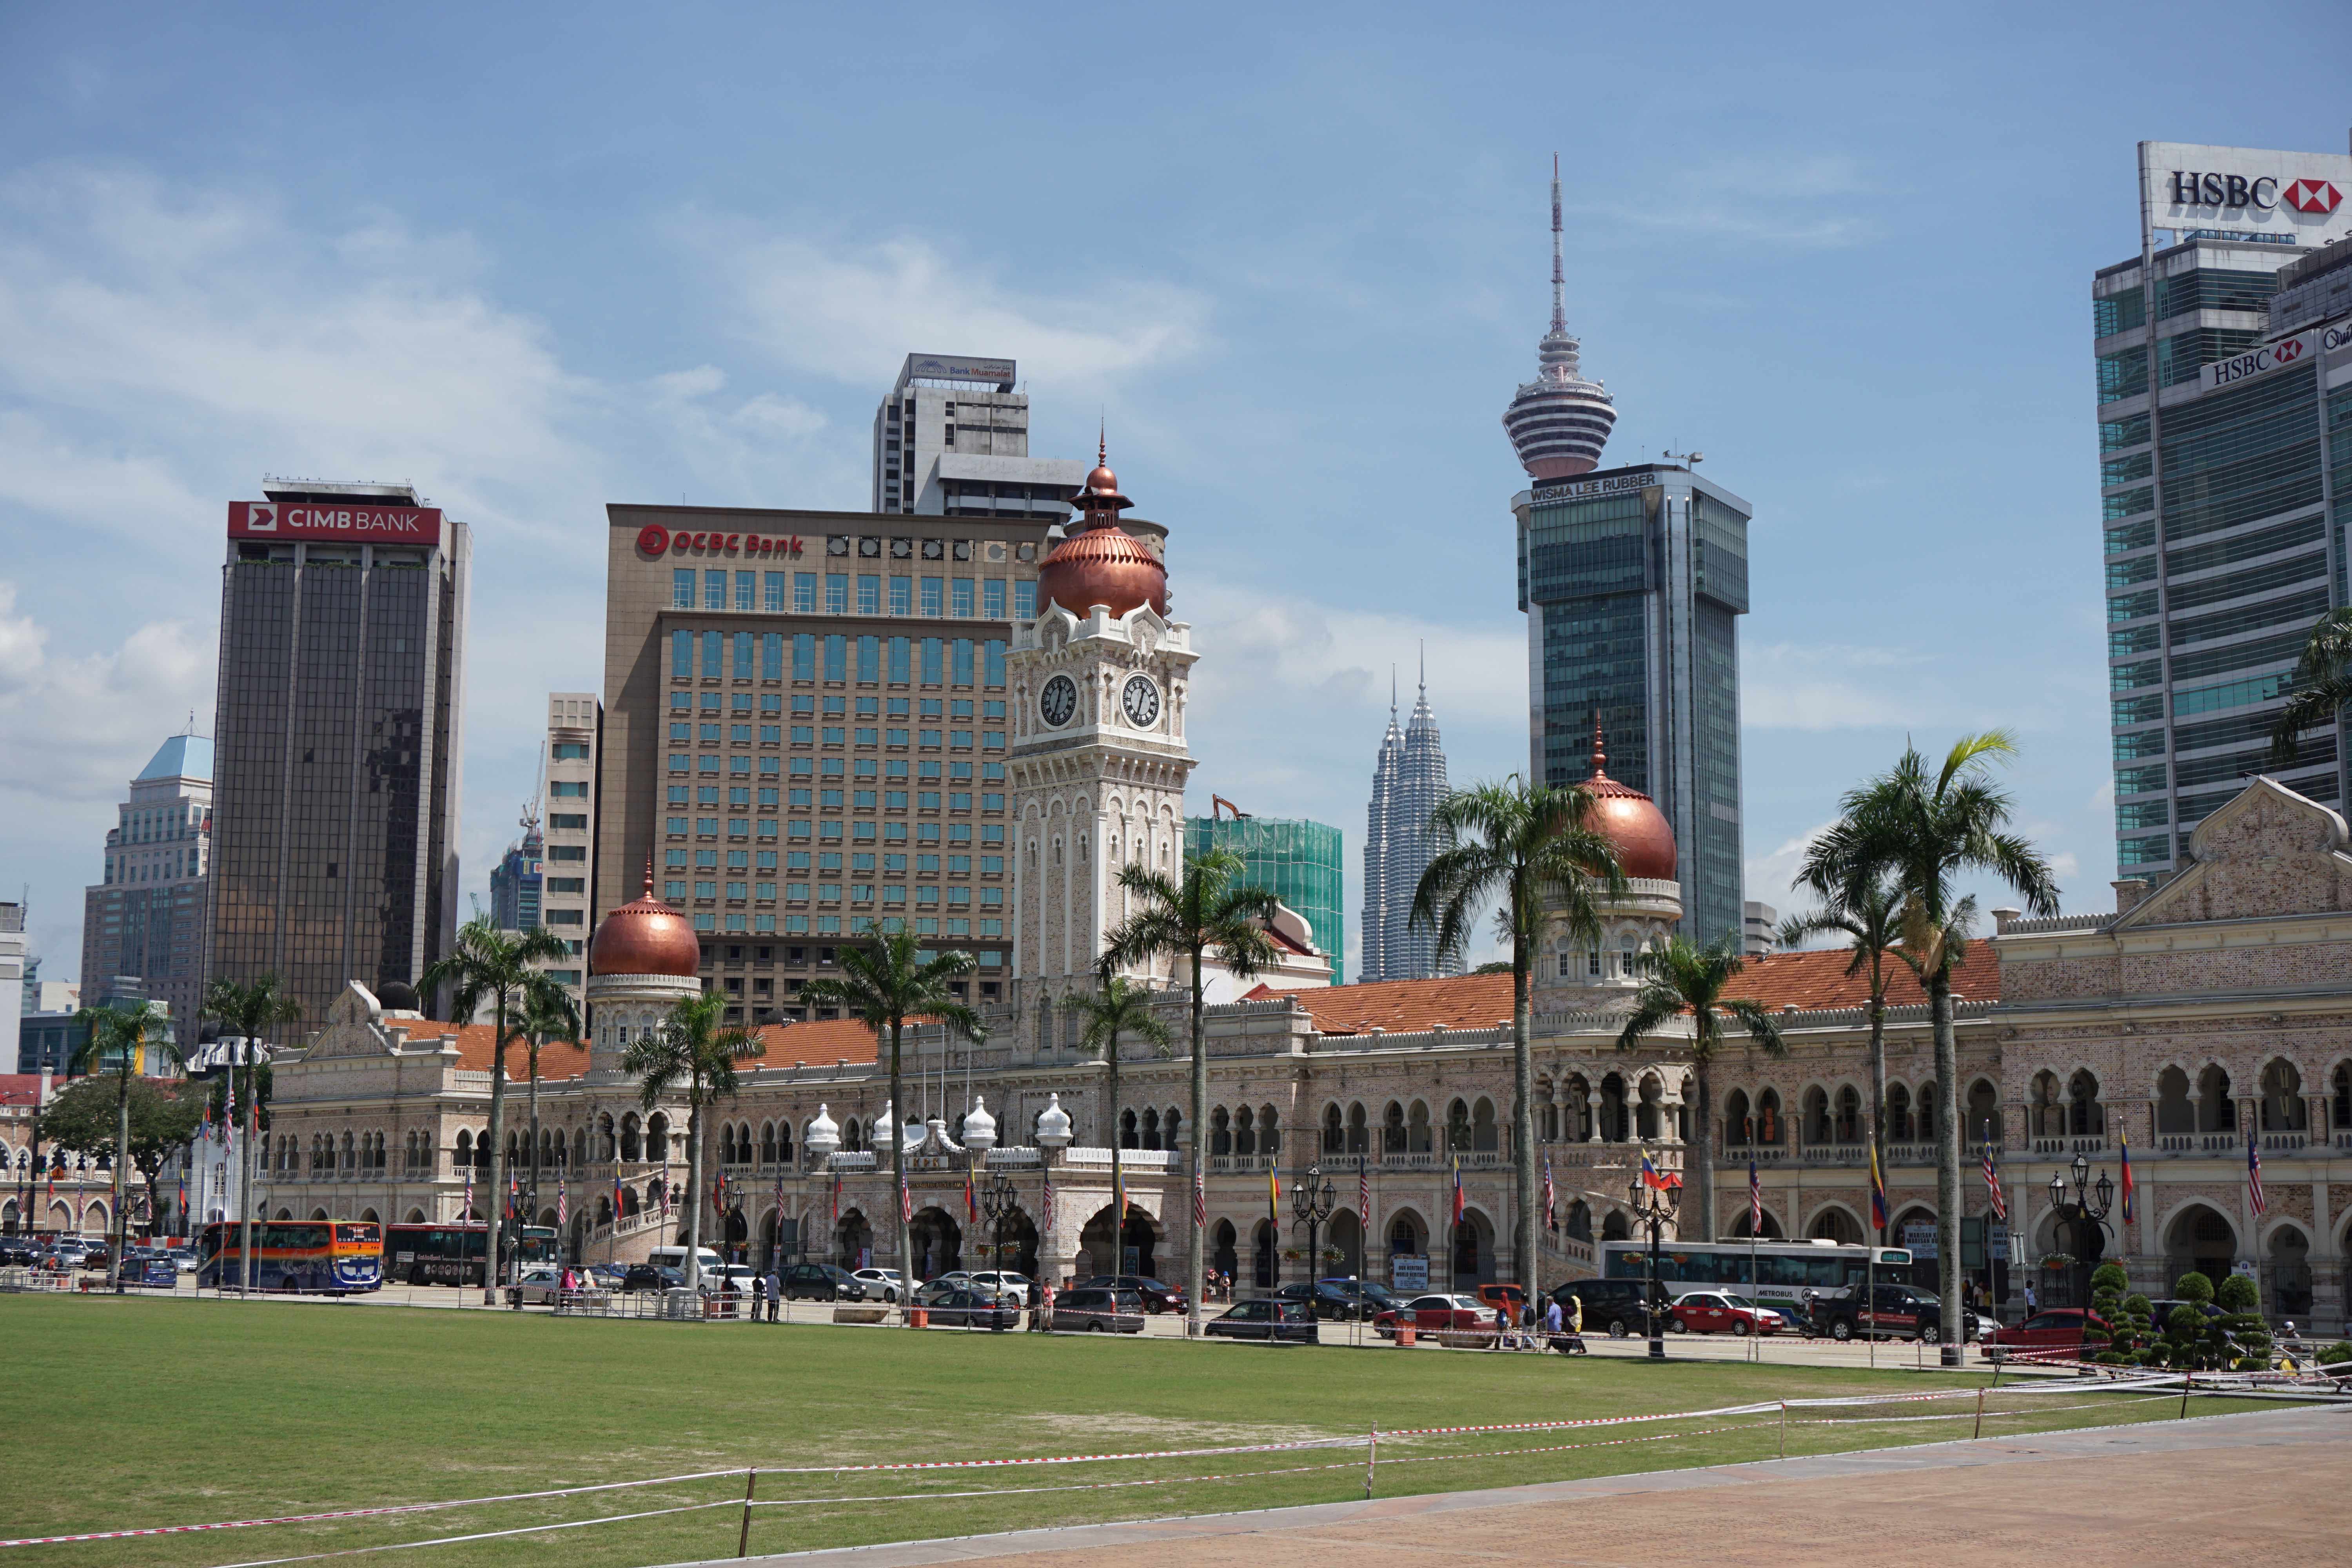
(1417, 1134)
(1269, 1131)
(1244, 1131)
(1392, 1126)
(1817, 1116)
(2084, 1115)
(1768, 1118)
(1899, 1113)
(1130, 1133)
(1739, 1121)
(1481, 1125)
(1849, 1115)
(463, 1154)
(657, 1137)
(1927, 1132)
(1359, 1135)
(1171, 1125)
(2283, 1107)
(1335, 1130)
(767, 1142)
(1984, 1121)
(629, 1136)
(2216, 1112)
(1457, 1126)
(2342, 1098)
(1151, 1128)
(1220, 1137)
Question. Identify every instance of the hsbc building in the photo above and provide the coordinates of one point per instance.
(2223, 353)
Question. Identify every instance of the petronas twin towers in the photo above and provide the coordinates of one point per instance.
(1408, 782)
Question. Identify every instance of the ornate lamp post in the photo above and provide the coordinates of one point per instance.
(821, 1137)
(1313, 1204)
(1653, 1206)
(2092, 1202)
(999, 1200)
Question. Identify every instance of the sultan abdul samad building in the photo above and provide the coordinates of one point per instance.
(2202, 1013)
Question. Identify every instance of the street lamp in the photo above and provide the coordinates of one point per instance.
(2092, 1202)
(999, 1200)
(1653, 1206)
(1313, 1204)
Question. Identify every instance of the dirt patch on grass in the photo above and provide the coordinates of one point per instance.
(1134, 1431)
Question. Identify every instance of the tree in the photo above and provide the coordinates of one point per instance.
(120, 1039)
(1925, 825)
(2323, 682)
(1865, 907)
(494, 966)
(1680, 976)
(882, 985)
(83, 1119)
(549, 1015)
(1118, 1008)
(251, 1013)
(1204, 912)
(1526, 846)
(688, 1044)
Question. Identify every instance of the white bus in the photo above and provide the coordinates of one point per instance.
(1782, 1270)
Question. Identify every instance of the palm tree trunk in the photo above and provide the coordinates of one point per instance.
(498, 1152)
(1878, 1085)
(121, 1164)
(1702, 1142)
(1198, 1132)
(1117, 1182)
(899, 1227)
(244, 1195)
(694, 1186)
(534, 1135)
(1947, 1163)
(1523, 1093)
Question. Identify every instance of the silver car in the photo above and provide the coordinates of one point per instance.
(539, 1287)
(1007, 1283)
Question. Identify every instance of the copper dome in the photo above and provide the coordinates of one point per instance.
(647, 937)
(1100, 563)
(1629, 820)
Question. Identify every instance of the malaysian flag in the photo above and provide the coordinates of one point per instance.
(468, 1211)
(1992, 1185)
(906, 1199)
(1755, 1200)
(1364, 1194)
(2254, 1176)
(1549, 1223)
(1046, 1202)
(836, 1215)
(228, 1126)
(1458, 1186)
(563, 1203)
(1200, 1199)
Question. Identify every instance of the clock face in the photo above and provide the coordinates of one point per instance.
(1140, 701)
(1058, 702)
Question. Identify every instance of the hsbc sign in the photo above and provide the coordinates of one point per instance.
(2279, 355)
(357, 524)
(2295, 197)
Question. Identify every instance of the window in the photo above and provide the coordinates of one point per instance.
(714, 590)
(869, 595)
(714, 651)
(836, 593)
(932, 586)
(747, 588)
(1024, 601)
(902, 595)
(681, 656)
(681, 588)
(774, 600)
(771, 657)
(960, 597)
(992, 598)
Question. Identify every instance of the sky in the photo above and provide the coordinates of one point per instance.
(535, 259)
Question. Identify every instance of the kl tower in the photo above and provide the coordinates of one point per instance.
(1559, 421)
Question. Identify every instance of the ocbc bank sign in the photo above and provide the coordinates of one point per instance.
(653, 540)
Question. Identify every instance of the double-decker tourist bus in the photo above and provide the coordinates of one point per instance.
(336, 1256)
(456, 1254)
(1781, 1271)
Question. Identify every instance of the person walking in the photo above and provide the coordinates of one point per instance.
(775, 1293)
(1553, 1322)
(1575, 1324)
(758, 1295)
(2032, 1304)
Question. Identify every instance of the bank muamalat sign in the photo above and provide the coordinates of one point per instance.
(2297, 350)
(357, 524)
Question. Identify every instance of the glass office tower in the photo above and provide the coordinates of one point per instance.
(1633, 580)
(336, 755)
(1299, 861)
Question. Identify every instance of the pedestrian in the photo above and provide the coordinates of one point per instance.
(1575, 1324)
(2032, 1305)
(1502, 1339)
(775, 1293)
(1553, 1321)
(758, 1295)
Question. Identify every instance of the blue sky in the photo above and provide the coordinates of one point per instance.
(537, 258)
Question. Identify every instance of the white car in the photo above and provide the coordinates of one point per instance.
(736, 1275)
(880, 1283)
(538, 1287)
(1006, 1283)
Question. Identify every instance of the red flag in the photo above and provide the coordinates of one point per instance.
(1992, 1185)
(1200, 1199)
(2253, 1175)
(2130, 1191)
(1458, 1186)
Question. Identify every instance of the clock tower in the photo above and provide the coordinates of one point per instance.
(1099, 684)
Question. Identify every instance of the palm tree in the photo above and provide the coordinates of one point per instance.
(548, 1015)
(1120, 1008)
(690, 1044)
(1680, 976)
(1202, 913)
(2324, 676)
(249, 1012)
(882, 985)
(497, 967)
(1526, 846)
(1866, 910)
(119, 1040)
(1925, 825)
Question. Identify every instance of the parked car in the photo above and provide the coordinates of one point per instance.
(1371, 1297)
(1156, 1297)
(603, 1276)
(1715, 1312)
(652, 1276)
(881, 1284)
(1004, 1283)
(541, 1286)
(183, 1259)
(1791, 1321)
(960, 1308)
(1611, 1307)
(1436, 1314)
(931, 1292)
(17, 1255)
(821, 1282)
(1325, 1299)
(2056, 1333)
(1893, 1311)
(1270, 1318)
(1097, 1309)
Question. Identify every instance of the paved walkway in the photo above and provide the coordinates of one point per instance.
(2265, 1486)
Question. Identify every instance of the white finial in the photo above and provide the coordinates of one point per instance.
(880, 1133)
(1053, 1125)
(979, 1126)
(823, 1136)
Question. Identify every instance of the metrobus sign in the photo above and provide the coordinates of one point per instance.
(2279, 355)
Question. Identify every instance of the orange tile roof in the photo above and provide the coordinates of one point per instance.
(1803, 980)
(819, 1043)
(557, 1058)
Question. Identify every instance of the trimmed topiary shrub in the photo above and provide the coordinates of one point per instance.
(2192, 1337)
(2241, 1301)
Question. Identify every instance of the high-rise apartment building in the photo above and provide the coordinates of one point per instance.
(1408, 782)
(337, 739)
(805, 732)
(952, 438)
(12, 991)
(516, 880)
(149, 914)
(1301, 863)
(2225, 449)
(574, 727)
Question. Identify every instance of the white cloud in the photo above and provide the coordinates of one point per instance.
(1798, 686)
(68, 724)
(1772, 878)
(844, 310)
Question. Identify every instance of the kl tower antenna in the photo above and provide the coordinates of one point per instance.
(1559, 288)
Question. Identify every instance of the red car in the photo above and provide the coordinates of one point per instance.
(1433, 1314)
(2056, 1333)
(1714, 1312)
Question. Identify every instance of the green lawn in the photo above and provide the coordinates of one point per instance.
(121, 1413)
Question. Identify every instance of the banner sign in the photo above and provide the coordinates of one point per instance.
(341, 523)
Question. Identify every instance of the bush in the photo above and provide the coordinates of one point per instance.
(2241, 1300)
(2193, 1339)
(2236, 1294)
(2129, 1330)
(2335, 1355)
(2194, 1288)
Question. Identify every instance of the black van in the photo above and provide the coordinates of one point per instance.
(1613, 1307)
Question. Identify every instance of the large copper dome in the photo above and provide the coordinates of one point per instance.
(1100, 563)
(1629, 820)
(647, 937)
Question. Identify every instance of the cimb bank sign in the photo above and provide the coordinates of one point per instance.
(356, 525)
